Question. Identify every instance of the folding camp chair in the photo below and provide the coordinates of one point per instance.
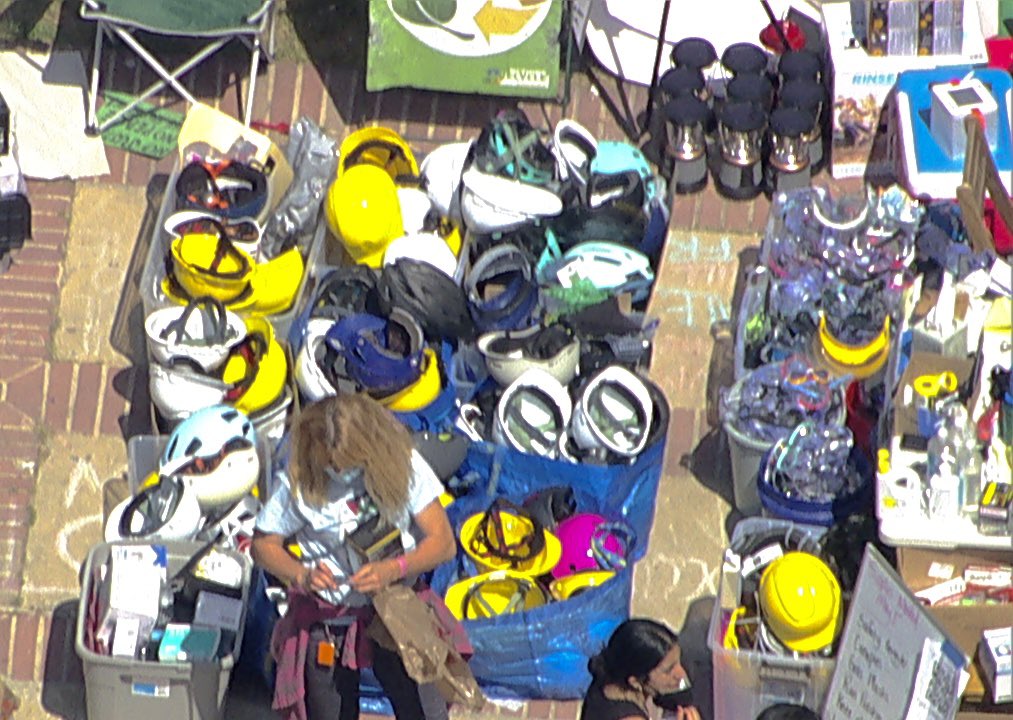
(217, 22)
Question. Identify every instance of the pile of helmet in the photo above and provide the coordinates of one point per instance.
(204, 354)
(525, 559)
(528, 299)
(837, 268)
(790, 600)
(217, 246)
(202, 488)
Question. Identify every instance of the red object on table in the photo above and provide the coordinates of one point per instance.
(1002, 236)
(772, 41)
(1000, 52)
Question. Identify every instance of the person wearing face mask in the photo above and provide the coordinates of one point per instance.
(638, 673)
(352, 467)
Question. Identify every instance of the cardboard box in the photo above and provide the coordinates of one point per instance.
(994, 654)
(906, 415)
(862, 84)
(920, 568)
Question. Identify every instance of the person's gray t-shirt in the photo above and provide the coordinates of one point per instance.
(320, 532)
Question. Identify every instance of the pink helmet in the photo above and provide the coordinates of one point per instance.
(590, 542)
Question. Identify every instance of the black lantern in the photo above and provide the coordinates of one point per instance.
(740, 167)
(756, 89)
(687, 119)
(788, 166)
(694, 52)
(811, 98)
(744, 58)
(800, 65)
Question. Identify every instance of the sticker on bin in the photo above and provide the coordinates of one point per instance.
(150, 689)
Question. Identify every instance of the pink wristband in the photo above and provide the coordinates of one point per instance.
(402, 565)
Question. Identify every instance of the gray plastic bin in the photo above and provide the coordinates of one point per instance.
(153, 298)
(117, 688)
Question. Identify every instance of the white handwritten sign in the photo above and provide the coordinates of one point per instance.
(881, 650)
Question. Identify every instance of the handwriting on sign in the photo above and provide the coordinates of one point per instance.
(877, 660)
(700, 308)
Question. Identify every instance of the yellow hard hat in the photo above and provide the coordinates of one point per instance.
(256, 369)
(872, 355)
(524, 552)
(421, 392)
(500, 592)
(574, 584)
(800, 602)
(364, 213)
(205, 264)
(382, 148)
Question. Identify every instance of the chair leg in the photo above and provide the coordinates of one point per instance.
(91, 124)
(167, 77)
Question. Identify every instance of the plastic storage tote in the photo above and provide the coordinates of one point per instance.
(748, 681)
(118, 688)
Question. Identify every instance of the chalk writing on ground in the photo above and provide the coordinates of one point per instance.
(690, 308)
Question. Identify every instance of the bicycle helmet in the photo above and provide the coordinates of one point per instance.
(380, 147)
(502, 290)
(491, 594)
(614, 412)
(607, 266)
(800, 602)
(345, 290)
(505, 537)
(575, 149)
(553, 349)
(490, 203)
(436, 302)
(167, 510)
(383, 356)
(570, 586)
(215, 450)
(620, 174)
(532, 414)
(203, 331)
(201, 264)
(364, 213)
(441, 176)
(425, 247)
(229, 188)
(590, 542)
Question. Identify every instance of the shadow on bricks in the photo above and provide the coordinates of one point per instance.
(63, 675)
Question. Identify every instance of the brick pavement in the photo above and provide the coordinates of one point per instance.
(39, 395)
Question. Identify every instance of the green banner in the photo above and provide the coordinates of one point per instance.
(493, 47)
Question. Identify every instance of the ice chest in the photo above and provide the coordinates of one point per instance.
(117, 688)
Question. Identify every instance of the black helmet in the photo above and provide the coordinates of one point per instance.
(346, 291)
(428, 295)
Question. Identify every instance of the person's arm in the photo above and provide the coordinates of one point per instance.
(269, 551)
(436, 547)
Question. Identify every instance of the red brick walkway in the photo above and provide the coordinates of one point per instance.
(39, 395)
